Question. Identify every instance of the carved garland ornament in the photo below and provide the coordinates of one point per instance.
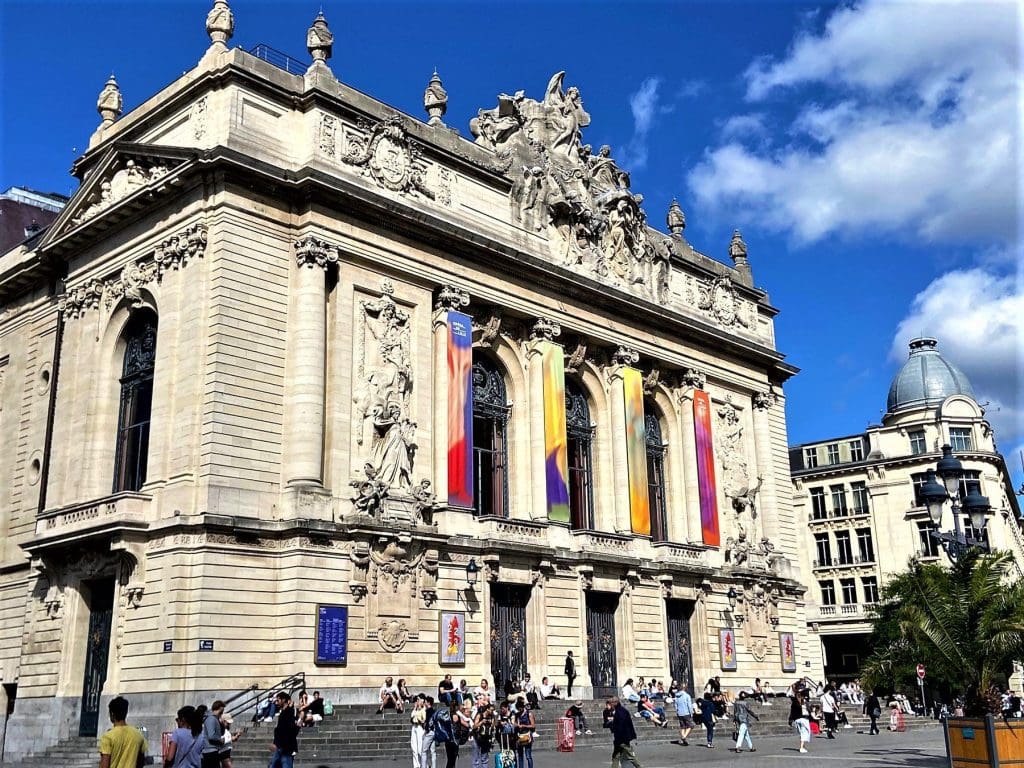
(172, 253)
(120, 185)
(389, 157)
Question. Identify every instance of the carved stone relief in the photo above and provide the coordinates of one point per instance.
(119, 185)
(388, 156)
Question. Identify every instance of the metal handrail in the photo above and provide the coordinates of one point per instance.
(280, 60)
(254, 697)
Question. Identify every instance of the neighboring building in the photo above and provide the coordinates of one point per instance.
(313, 358)
(25, 212)
(859, 497)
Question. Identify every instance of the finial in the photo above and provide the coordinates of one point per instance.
(220, 24)
(110, 104)
(435, 100)
(738, 249)
(676, 219)
(319, 40)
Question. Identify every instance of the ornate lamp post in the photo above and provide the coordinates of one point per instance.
(935, 494)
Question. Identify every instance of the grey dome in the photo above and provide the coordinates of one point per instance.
(927, 378)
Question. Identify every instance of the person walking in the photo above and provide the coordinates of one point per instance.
(185, 747)
(418, 719)
(684, 713)
(570, 673)
(620, 722)
(873, 709)
(123, 746)
(286, 733)
(708, 718)
(828, 710)
(526, 724)
(214, 732)
(741, 714)
(800, 719)
(444, 732)
(428, 755)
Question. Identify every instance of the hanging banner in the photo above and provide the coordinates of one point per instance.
(636, 452)
(460, 409)
(788, 651)
(556, 462)
(706, 469)
(727, 647)
(452, 638)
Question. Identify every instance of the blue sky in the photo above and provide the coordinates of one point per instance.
(870, 152)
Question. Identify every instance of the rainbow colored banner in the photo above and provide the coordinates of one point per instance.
(460, 409)
(636, 452)
(556, 462)
(706, 469)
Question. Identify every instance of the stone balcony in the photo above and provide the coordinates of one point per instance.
(115, 513)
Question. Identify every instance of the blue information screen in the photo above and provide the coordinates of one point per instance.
(331, 634)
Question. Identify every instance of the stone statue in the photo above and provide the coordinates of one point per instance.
(738, 549)
(568, 116)
(393, 446)
(604, 172)
(527, 196)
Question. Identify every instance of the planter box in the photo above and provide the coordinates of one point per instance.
(977, 742)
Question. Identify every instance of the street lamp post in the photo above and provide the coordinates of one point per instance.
(949, 470)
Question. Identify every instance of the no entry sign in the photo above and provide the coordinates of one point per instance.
(920, 671)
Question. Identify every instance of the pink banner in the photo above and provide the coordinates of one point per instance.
(460, 410)
(706, 469)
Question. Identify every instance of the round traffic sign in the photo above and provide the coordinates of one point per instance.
(920, 671)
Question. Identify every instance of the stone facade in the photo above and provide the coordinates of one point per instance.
(283, 251)
(856, 495)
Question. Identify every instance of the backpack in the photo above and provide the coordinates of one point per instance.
(460, 731)
(443, 726)
(485, 735)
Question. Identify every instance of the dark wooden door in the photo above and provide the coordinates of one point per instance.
(508, 633)
(680, 652)
(101, 612)
(601, 650)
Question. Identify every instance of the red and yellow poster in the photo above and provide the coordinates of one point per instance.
(706, 469)
(636, 452)
(727, 647)
(452, 637)
(788, 651)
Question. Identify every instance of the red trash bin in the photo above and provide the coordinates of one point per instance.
(566, 734)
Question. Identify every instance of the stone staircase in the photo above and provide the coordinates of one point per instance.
(355, 733)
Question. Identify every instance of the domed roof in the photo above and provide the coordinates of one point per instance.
(927, 378)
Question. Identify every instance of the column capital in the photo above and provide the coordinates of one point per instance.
(764, 400)
(690, 379)
(545, 329)
(450, 297)
(312, 251)
(625, 356)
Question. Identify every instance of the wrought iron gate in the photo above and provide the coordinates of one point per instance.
(680, 656)
(601, 656)
(508, 633)
(101, 611)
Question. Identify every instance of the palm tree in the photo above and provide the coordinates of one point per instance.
(965, 623)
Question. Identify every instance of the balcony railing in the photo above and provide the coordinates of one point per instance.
(839, 514)
(845, 609)
(838, 562)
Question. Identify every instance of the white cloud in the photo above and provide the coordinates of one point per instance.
(978, 317)
(645, 106)
(913, 128)
(744, 126)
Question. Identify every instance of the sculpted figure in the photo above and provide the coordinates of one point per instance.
(604, 172)
(527, 198)
(393, 447)
(565, 111)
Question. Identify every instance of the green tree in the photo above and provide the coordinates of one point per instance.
(965, 624)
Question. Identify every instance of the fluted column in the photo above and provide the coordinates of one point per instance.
(691, 379)
(767, 501)
(304, 425)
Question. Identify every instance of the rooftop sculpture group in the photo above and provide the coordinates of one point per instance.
(580, 200)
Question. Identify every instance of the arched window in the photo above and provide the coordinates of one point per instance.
(655, 473)
(490, 438)
(136, 403)
(580, 437)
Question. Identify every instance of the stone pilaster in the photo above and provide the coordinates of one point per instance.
(688, 459)
(767, 502)
(621, 359)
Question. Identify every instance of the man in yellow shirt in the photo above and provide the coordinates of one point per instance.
(122, 746)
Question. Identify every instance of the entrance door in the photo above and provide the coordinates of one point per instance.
(101, 611)
(601, 643)
(680, 656)
(508, 633)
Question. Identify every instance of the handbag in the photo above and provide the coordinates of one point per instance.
(876, 712)
(525, 739)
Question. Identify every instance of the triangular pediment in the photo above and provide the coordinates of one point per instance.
(122, 177)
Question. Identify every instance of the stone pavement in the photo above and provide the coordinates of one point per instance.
(921, 748)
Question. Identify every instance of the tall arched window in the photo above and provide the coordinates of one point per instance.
(136, 403)
(490, 438)
(580, 437)
(655, 473)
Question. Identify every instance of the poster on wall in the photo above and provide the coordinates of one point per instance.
(707, 488)
(727, 647)
(452, 638)
(331, 635)
(460, 409)
(556, 459)
(636, 452)
(788, 651)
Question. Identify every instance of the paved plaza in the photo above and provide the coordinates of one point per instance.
(921, 748)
